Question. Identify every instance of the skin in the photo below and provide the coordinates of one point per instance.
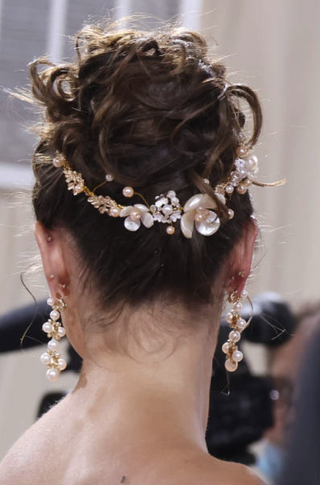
(136, 416)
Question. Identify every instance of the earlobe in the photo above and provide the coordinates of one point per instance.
(241, 259)
(50, 246)
(44, 238)
(240, 266)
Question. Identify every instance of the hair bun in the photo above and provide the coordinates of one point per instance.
(154, 111)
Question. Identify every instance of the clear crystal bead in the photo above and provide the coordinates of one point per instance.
(171, 194)
(162, 201)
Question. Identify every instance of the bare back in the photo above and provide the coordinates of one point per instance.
(62, 449)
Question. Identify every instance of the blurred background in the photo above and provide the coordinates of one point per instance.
(272, 46)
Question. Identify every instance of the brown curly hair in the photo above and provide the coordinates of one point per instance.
(153, 110)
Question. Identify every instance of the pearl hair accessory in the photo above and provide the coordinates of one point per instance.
(237, 325)
(200, 212)
(54, 330)
(243, 174)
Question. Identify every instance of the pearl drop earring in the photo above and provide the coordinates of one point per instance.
(237, 325)
(54, 330)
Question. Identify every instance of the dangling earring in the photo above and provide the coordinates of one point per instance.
(237, 325)
(54, 330)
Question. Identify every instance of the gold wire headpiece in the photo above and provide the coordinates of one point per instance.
(198, 212)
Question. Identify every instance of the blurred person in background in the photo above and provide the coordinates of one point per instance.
(144, 224)
(301, 465)
(285, 366)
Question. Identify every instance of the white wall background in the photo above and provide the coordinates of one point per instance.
(274, 47)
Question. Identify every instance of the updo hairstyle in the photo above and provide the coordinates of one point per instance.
(154, 111)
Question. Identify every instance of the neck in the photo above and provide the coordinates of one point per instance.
(164, 394)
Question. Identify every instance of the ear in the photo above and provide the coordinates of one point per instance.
(51, 249)
(240, 260)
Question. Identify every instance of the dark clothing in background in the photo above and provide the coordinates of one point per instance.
(302, 466)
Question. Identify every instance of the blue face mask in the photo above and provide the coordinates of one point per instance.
(270, 462)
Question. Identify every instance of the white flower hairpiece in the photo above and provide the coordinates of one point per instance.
(199, 212)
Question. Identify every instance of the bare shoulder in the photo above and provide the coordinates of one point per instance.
(235, 473)
(208, 470)
(17, 459)
(21, 460)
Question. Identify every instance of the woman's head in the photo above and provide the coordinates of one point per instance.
(155, 112)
